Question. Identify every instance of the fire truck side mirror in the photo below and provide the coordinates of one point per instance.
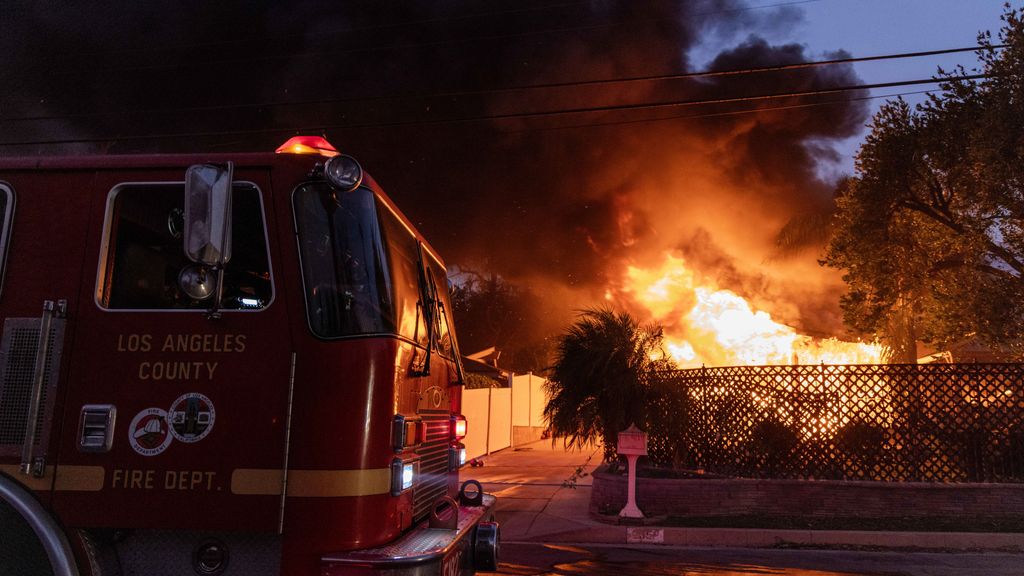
(207, 231)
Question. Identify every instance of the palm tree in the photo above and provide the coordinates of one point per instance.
(602, 377)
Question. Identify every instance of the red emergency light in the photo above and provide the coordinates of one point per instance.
(307, 145)
(459, 427)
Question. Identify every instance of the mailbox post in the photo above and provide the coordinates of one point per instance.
(632, 444)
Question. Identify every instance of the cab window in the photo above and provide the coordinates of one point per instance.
(145, 266)
(442, 330)
(404, 257)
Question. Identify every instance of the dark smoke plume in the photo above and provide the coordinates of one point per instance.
(559, 203)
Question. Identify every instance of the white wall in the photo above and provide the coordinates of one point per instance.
(475, 406)
(537, 401)
(492, 412)
(521, 400)
(528, 400)
(501, 419)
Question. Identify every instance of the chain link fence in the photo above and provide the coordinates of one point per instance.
(930, 422)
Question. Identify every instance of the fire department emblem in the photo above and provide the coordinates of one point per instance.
(433, 395)
(149, 433)
(191, 417)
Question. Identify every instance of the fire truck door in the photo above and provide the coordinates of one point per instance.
(197, 397)
(44, 226)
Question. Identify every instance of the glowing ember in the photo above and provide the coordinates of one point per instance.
(706, 325)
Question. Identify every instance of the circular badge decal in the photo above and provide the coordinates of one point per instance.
(433, 394)
(149, 433)
(191, 417)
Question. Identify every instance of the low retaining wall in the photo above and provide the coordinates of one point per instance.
(810, 498)
(526, 434)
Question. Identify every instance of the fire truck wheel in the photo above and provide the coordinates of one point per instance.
(486, 546)
(31, 541)
(97, 549)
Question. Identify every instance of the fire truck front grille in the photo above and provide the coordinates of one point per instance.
(433, 453)
(17, 367)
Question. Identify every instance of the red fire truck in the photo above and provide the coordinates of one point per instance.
(227, 364)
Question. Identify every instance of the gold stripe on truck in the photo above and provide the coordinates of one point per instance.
(80, 478)
(311, 483)
(69, 478)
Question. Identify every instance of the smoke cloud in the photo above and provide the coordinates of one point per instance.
(560, 203)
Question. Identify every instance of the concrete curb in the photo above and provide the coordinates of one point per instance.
(753, 538)
(811, 499)
(533, 506)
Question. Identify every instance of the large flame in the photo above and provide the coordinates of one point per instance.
(705, 325)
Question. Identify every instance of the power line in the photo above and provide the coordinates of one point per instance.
(519, 115)
(717, 73)
(543, 86)
(714, 114)
(669, 104)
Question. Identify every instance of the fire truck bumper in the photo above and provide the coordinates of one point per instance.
(471, 546)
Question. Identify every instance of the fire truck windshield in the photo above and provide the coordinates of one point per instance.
(344, 262)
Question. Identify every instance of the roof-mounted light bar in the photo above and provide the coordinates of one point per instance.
(308, 145)
(341, 170)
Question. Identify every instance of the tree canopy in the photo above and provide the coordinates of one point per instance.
(930, 230)
(490, 311)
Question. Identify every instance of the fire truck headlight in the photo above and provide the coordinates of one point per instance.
(456, 456)
(403, 475)
(343, 172)
(407, 476)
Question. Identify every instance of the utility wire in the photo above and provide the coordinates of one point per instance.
(713, 114)
(738, 71)
(658, 105)
(517, 115)
(499, 90)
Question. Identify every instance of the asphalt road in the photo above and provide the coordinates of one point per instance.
(527, 558)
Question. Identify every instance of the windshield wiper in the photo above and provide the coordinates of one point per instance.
(460, 377)
(428, 304)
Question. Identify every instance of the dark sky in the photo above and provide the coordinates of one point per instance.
(559, 202)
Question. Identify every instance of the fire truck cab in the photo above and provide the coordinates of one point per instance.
(227, 364)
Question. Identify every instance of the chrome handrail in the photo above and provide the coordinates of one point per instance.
(30, 464)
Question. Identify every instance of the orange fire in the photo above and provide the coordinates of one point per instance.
(705, 325)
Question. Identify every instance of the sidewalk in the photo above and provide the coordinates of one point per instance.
(534, 505)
